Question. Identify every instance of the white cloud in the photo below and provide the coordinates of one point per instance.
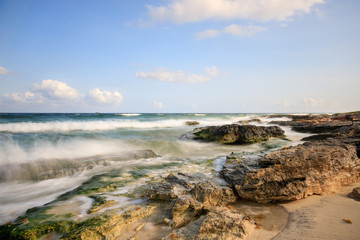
(210, 33)
(56, 90)
(165, 75)
(234, 29)
(19, 98)
(158, 104)
(312, 102)
(243, 31)
(106, 96)
(212, 71)
(4, 71)
(183, 11)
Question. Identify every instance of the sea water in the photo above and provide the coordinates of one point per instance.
(77, 146)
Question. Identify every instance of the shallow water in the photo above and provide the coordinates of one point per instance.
(79, 146)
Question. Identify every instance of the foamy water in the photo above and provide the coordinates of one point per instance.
(97, 141)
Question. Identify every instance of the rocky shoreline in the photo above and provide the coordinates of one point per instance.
(201, 206)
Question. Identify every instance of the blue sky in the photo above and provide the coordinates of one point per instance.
(180, 56)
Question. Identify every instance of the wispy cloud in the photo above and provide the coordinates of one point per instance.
(158, 104)
(183, 11)
(4, 71)
(313, 102)
(165, 75)
(106, 96)
(233, 29)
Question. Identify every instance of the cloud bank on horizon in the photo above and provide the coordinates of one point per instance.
(180, 56)
(187, 11)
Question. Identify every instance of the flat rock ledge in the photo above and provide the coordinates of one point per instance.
(296, 172)
(199, 208)
(237, 134)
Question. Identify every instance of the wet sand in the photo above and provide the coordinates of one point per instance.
(317, 217)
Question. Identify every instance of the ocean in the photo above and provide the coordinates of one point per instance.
(45, 155)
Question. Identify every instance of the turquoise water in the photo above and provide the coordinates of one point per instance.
(29, 142)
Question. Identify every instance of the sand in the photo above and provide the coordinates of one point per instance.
(318, 217)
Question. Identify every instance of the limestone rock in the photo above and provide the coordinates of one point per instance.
(160, 191)
(192, 123)
(185, 210)
(220, 223)
(210, 195)
(355, 193)
(238, 134)
(297, 172)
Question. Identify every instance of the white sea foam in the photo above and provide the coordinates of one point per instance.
(13, 153)
(30, 127)
(129, 114)
(104, 125)
(16, 198)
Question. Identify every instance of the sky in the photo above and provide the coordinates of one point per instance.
(180, 56)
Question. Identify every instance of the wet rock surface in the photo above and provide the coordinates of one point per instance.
(237, 134)
(190, 123)
(53, 168)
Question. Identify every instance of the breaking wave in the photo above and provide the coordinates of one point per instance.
(67, 126)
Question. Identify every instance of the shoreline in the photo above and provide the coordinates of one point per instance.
(321, 217)
(249, 197)
(317, 217)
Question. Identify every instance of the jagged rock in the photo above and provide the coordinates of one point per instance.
(297, 172)
(160, 191)
(238, 134)
(199, 195)
(185, 210)
(221, 223)
(355, 194)
(192, 123)
(180, 179)
(210, 195)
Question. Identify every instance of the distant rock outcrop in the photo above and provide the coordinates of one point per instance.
(323, 123)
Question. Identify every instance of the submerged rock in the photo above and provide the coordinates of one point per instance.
(296, 172)
(190, 123)
(238, 134)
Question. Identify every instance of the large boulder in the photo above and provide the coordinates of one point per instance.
(296, 172)
(238, 134)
